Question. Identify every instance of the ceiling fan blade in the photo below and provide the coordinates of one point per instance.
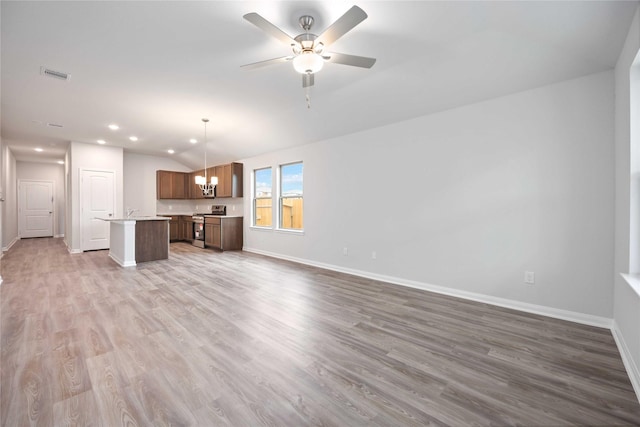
(353, 60)
(307, 80)
(267, 62)
(342, 26)
(269, 28)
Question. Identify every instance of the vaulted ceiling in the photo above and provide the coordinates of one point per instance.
(157, 68)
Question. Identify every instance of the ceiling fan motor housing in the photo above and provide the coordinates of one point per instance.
(306, 42)
(306, 21)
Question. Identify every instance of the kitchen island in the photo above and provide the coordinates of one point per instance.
(138, 239)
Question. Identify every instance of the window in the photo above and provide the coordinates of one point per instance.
(291, 206)
(262, 209)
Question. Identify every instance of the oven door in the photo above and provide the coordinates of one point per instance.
(198, 232)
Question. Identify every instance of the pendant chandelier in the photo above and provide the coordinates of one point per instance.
(208, 188)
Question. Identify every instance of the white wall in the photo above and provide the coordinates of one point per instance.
(48, 172)
(10, 204)
(469, 199)
(626, 313)
(140, 181)
(89, 156)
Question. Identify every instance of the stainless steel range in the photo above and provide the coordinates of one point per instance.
(198, 223)
(198, 230)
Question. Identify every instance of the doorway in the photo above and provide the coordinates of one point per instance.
(35, 208)
(97, 202)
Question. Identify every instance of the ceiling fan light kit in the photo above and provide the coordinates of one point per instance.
(308, 62)
(308, 49)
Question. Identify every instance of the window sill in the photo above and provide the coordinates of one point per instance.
(259, 228)
(633, 280)
(277, 230)
(287, 231)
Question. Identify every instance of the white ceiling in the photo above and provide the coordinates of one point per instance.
(157, 68)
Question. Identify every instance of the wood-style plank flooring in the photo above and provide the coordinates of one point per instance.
(214, 339)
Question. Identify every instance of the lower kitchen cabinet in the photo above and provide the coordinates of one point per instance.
(212, 235)
(180, 228)
(224, 233)
(188, 228)
(174, 229)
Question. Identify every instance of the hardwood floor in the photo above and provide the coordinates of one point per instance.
(208, 338)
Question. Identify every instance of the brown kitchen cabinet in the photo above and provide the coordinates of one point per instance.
(171, 185)
(212, 232)
(188, 228)
(224, 233)
(229, 182)
(174, 230)
(180, 228)
(183, 228)
(194, 189)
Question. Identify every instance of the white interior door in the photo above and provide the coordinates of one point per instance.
(97, 200)
(35, 208)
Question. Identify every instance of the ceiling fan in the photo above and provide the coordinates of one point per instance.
(308, 50)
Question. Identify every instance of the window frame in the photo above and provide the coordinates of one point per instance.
(281, 197)
(255, 198)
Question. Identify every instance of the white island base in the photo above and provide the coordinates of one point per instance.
(123, 242)
(138, 240)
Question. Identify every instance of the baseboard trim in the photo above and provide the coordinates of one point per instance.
(122, 263)
(585, 319)
(13, 242)
(627, 358)
(73, 251)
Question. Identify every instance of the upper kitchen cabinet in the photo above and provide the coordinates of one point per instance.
(194, 189)
(195, 192)
(229, 180)
(171, 185)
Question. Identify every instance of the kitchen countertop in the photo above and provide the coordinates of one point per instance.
(207, 215)
(138, 218)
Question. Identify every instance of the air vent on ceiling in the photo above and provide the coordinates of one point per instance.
(55, 74)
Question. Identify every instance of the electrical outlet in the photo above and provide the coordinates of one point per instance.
(374, 255)
(529, 277)
(345, 251)
(170, 207)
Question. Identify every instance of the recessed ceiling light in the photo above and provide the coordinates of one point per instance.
(133, 138)
(113, 126)
(39, 150)
(101, 141)
(170, 151)
(193, 140)
(61, 162)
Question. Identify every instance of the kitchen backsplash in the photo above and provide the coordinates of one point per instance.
(188, 207)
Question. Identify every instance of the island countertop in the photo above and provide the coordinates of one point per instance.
(138, 218)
